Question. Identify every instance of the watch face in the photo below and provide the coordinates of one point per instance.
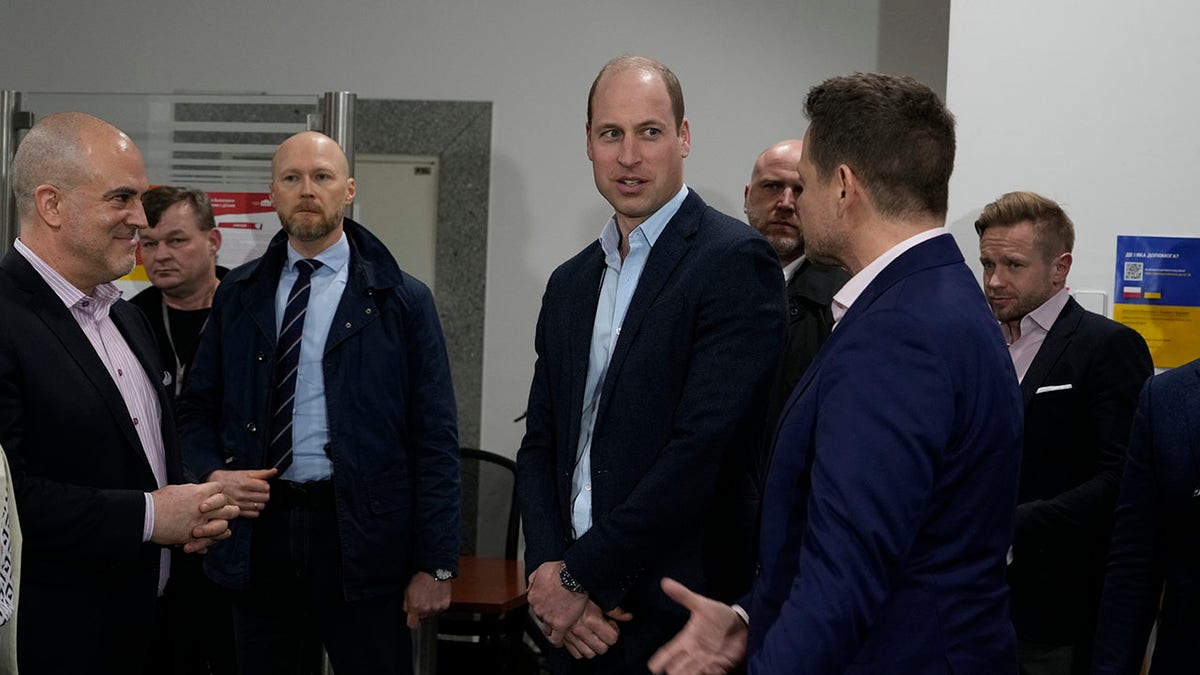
(443, 575)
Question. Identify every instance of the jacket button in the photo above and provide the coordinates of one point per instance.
(348, 324)
(261, 357)
(369, 310)
(251, 427)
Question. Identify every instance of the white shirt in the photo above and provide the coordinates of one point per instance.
(843, 299)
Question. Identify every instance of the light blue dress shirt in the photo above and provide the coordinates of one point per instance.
(310, 423)
(616, 291)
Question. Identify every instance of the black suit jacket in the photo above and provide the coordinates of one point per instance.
(1155, 536)
(88, 582)
(1080, 393)
(681, 403)
(810, 293)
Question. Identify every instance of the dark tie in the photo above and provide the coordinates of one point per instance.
(287, 362)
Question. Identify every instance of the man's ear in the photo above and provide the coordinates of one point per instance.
(49, 202)
(846, 182)
(1061, 267)
(214, 240)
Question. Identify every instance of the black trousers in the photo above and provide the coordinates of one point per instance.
(296, 603)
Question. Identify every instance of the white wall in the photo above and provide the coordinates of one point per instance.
(745, 67)
(1090, 104)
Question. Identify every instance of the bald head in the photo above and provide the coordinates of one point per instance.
(311, 187)
(57, 151)
(78, 181)
(309, 142)
(770, 199)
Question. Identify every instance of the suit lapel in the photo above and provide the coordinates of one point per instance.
(146, 352)
(580, 317)
(935, 252)
(1056, 342)
(49, 309)
(665, 255)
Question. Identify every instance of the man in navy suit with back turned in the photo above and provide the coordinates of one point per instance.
(1155, 557)
(655, 347)
(890, 497)
(84, 416)
(1080, 374)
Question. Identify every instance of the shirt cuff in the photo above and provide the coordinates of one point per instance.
(741, 612)
(148, 520)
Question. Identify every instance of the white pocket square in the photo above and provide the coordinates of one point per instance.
(1054, 387)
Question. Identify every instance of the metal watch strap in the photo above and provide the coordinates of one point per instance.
(440, 574)
(569, 582)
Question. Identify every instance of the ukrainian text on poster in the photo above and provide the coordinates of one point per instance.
(1157, 293)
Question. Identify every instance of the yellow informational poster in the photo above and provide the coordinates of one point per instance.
(1158, 295)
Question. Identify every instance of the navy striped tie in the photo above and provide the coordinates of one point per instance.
(287, 362)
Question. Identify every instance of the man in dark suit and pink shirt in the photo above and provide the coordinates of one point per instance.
(84, 415)
(1080, 374)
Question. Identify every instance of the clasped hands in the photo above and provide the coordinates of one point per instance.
(197, 516)
(194, 515)
(570, 619)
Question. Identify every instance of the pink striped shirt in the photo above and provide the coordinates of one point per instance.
(92, 315)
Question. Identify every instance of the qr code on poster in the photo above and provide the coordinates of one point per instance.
(1133, 271)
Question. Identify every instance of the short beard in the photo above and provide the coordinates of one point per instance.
(309, 232)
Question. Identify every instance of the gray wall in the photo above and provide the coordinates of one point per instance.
(744, 65)
(1089, 104)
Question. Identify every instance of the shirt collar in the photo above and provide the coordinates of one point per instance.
(650, 229)
(97, 304)
(335, 257)
(843, 299)
(789, 270)
(1048, 312)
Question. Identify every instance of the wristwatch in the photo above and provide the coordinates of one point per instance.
(568, 582)
(440, 574)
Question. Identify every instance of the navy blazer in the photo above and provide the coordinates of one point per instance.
(680, 405)
(392, 424)
(88, 581)
(891, 492)
(1080, 393)
(1155, 537)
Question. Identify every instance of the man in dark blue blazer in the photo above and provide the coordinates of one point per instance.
(1154, 539)
(1080, 373)
(655, 347)
(890, 497)
(356, 524)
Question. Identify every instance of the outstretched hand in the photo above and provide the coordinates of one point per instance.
(713, 641)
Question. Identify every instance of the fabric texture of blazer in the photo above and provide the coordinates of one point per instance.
(88, 583)
(680, 406)
(1155, 538)
(891, 492)
(1079, 393)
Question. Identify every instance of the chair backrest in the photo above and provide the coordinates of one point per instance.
(490, 519)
